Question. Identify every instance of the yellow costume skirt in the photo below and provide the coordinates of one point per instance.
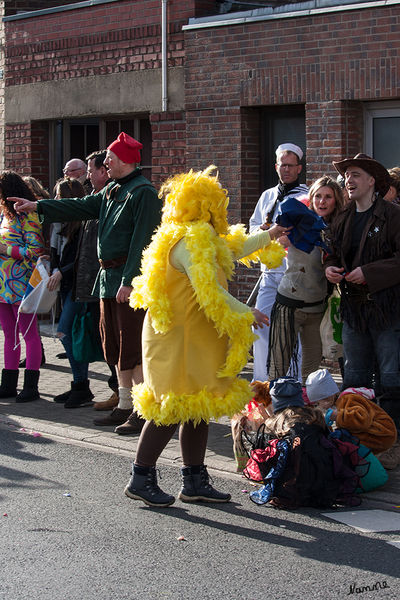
(180, 366)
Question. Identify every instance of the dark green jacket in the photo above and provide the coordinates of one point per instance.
(128, 214)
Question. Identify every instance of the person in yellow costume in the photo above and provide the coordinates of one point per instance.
(196, 336)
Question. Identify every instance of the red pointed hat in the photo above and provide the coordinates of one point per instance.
(126, 148)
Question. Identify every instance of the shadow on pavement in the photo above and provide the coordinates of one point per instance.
(310, 541)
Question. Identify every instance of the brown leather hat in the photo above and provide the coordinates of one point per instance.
(371, 166)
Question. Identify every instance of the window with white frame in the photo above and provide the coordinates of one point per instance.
(382, 132)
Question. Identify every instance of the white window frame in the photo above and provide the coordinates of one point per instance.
(376, 110)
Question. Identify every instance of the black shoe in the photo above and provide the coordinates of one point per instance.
(80, 395)
(30, 390)
(9, 380)
(62, 355)
(196, 486)
(143, 486)
(62, 398)
(133, 424)
(43, 361)
(116, 417)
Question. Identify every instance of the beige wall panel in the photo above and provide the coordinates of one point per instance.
(120, 93)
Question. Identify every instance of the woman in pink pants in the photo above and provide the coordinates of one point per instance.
(21, 243)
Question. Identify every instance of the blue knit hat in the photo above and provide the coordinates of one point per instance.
(285, 392)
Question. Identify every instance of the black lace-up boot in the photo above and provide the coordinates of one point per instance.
(143, 486)
(196, 486)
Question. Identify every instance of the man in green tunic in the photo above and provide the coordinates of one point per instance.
(128, 210)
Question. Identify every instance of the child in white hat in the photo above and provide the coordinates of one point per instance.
(353, 409)
(322, 389)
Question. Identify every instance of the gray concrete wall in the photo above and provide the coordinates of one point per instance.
(115, 94)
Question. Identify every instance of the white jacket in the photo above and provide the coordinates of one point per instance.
(265, 205)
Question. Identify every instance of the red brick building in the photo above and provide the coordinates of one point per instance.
(324, 74)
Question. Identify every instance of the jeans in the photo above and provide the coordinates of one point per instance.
(69, 310)
(364, 352)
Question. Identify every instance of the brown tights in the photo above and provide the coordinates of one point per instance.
(154, 438)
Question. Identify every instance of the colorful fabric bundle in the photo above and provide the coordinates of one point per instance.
(307, 468)
(307, 225)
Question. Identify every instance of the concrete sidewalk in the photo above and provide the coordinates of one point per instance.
(48, 418)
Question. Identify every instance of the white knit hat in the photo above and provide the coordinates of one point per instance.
(290, 148)
(320, 385)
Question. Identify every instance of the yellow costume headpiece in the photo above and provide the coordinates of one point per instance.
(195, 196)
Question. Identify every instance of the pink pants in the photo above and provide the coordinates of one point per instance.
(8, 320)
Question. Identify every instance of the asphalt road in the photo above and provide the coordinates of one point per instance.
(67, 531)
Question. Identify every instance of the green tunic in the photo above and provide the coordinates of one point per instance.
(128, 214)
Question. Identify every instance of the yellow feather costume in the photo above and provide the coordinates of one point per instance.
(195, 338)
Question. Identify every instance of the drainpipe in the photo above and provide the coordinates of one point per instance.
(164, 57)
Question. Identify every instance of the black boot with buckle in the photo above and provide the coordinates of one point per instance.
(196, 486)
(143, 486)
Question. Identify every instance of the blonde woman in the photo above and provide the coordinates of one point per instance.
(302, 292)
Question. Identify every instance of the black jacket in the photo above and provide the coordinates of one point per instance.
(376, 304)
(86, 264)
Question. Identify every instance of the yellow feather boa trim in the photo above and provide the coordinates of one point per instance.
(271, 255)
(207, 250)
(202, 406)
(150, 288)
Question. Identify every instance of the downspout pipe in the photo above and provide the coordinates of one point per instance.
(164, 55)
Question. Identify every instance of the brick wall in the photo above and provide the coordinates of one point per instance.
(18, 148)
(250, 146)
(96, 40)
(333, 129)
(330, 63)
(168, 145)
(40, 151)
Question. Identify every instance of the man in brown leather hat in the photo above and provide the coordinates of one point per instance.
(366, 264)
